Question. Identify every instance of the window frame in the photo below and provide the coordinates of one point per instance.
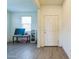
(24, 23)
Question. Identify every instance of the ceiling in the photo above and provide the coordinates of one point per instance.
(29, 5)
(51, 2)
(21, 5)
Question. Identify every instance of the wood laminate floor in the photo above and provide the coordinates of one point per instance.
(30, 51)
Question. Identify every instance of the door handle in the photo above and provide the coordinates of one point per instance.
(44, 32)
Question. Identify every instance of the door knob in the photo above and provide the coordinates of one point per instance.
(44, 32)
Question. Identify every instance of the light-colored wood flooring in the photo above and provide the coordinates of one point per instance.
(30, 51)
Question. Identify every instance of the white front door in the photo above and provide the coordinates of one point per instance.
(51, 30)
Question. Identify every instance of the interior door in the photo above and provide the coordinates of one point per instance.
(51, 30)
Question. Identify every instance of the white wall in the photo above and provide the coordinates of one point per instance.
(65, 33)
(38, 28)
(47, 10)
(8, 25)
(16, 20)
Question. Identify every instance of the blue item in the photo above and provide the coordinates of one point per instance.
(19, 31)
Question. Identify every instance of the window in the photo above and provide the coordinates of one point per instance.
(26, 22)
